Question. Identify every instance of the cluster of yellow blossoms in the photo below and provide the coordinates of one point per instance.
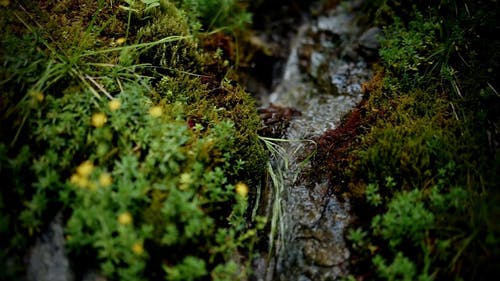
(98, 119)
(83, 172)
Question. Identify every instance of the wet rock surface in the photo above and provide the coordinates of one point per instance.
(322, 79)
(47, 260)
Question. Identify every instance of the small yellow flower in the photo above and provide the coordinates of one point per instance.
(79, 180)
(98, 119)
(39, 96)
(4, 3)
(137, 248)
(74, 178)
(156, 111)
(121, 40)
(114, 104)
(125, 218)
(85, 168)
(105, 180)
(242, 189)
(36, 94)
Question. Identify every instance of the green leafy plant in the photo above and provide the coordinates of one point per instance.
(406, 218)
(423, 163)
(227, 14)
(150, 175)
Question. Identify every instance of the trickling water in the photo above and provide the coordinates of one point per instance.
(322, 79)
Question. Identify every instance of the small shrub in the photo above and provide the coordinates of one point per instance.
(407, 218)
(142, 159)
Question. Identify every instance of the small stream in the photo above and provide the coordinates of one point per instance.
(322, 79)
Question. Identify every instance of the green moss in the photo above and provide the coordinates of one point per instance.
(425, 155)
(409, 152)
(209, 101)
(180, 55)
(132, 142)
(230, 15)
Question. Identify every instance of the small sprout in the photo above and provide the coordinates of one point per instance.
(121, 40)
(137, 248)
(156, 111)
(85, 168)
(242, 189)
(98, 119)
(125, 218)
(372, 195)
(105, 180)
(114, 104)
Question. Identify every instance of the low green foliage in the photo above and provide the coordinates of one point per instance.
(406, 51)
(406, 218)
(424, 163)
(148, 159)
(228, 14)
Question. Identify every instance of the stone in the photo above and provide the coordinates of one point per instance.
(369, 42)
(47, 260)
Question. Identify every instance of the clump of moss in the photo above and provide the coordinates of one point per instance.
(423, 153)
(180, 55)
(65, 23)
(208, 101)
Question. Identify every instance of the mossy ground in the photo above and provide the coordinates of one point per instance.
(147, 186)
(419, 156)
(115, 115)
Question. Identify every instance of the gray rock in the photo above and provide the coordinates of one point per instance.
(93, 275)
(369, 42)
(340, 24)
(323, 79)
(47, 260)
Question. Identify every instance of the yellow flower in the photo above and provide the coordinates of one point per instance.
(4, 3)
(39, 96)
(105, 179)
(74, 178)
(137, 248)
(242, 189)
(36, 94)
(98, 119)
(156, 111)
(85, 168)
(114, 104)
(81, 177)
(79, 180)
(121, 40)
(125, 218)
